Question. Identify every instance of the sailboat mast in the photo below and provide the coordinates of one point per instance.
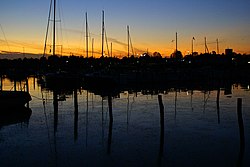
(46, 36)
(54, 29)
(87, 41)
(92, 47)
(128, 40)
(217, 41)
(205, 45)
(176, 41)
(111, 49)
(102, 31)
(192, 46)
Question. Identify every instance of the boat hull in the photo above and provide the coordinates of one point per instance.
(14, 99)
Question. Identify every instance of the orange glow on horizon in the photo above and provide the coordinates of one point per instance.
(119, 50)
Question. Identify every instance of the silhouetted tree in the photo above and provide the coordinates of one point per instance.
(177, 55)
(157, 54)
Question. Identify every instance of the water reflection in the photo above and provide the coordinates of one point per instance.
(218, 104)
(110, 124)
(55, 103)
(87, 118)
(137, 127)
(75, 115)
(10, 116)
(206, 95)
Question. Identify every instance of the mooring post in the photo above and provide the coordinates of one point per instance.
(240, 120)
(162, 128)
(241, 130)
(110, 108)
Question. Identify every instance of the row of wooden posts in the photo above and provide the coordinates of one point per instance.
(161, 106)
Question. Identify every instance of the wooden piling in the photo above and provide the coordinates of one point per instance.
(240, 120)
(162, 128)
(241, 130)
(110, 108)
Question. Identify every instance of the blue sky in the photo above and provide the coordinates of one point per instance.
(152, 24)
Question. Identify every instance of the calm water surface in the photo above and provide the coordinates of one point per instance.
(196, 131)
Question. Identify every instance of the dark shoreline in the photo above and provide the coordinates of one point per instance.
(206, 71)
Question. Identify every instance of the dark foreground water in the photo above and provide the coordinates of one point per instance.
(197, 128)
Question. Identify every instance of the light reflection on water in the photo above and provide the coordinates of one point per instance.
(198, 131)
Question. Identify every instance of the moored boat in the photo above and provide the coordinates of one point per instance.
(14, 99)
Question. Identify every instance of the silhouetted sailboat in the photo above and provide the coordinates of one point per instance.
(100, 79)
(13, 99)
(12, 106)
(58, 77)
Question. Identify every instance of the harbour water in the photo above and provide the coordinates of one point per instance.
(80, 128)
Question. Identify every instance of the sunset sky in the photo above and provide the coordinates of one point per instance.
(153, 24)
